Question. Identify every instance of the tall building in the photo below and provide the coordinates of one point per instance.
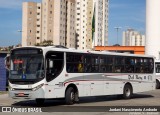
(50, 20)
(80, 24)
(101, 22)
(133, 38)
(91, 29)
(31, 25)
(70, 24)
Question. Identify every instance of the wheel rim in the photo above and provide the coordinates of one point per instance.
(157, 84)
(128, 92)
(72, 96)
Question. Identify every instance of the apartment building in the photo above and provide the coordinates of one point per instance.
(31, 25)
(133, 38)
(91, 23)
(101, 22)
(80, 24)
(70, 41)
(50, 20)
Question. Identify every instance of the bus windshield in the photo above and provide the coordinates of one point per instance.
(26, 67)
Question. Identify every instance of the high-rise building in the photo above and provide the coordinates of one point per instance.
(80, 24)
(31, 26)
(91, 29)
(101, 22)
(133, 38)
(50, 20)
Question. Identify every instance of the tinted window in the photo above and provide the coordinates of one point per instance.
(54, 64)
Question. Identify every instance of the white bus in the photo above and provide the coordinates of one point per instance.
(53, 72)
(157, 66)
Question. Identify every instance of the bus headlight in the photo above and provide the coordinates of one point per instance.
(37, 87)
(10, 88)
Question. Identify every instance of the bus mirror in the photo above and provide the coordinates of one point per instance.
(50, 64)
(7, 62)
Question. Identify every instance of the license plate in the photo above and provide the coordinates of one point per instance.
(20, 94)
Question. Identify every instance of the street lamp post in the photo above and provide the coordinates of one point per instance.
(117, 29)
(20, 31)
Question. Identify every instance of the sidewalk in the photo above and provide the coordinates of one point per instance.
(4, 99)
(3, 92)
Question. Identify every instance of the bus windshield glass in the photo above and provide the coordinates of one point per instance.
(26, 67)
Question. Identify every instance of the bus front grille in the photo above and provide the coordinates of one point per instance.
(20, 95)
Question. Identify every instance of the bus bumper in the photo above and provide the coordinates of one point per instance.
(27, 94)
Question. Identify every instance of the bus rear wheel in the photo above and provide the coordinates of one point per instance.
(127, 91)
(157, 84)
(70, 96)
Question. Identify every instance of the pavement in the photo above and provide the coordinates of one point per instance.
(151, 98)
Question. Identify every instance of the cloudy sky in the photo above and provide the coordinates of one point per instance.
(122, 13)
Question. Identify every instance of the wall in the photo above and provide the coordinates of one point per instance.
(3, 73)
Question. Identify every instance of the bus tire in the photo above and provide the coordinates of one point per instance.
(127, 91)
(40, 102)
(157, 84)
(70, 96)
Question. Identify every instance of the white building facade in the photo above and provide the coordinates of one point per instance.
(101, 22)
(153, 28)
(91, 29)
(133, 38)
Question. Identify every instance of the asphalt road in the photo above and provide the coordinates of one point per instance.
(95, 105)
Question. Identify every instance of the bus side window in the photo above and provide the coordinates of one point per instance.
(74, 63)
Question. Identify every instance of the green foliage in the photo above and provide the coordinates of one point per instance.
(45, 43)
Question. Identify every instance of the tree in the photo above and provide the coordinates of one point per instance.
(116, 45)
(45, 43)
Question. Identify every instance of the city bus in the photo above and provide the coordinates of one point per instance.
(56, 72)
(157, 66)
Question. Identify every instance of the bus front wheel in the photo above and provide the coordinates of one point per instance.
(127, 91)
(70, 96)
(157, 84)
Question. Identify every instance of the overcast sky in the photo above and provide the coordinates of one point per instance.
(123, 13)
